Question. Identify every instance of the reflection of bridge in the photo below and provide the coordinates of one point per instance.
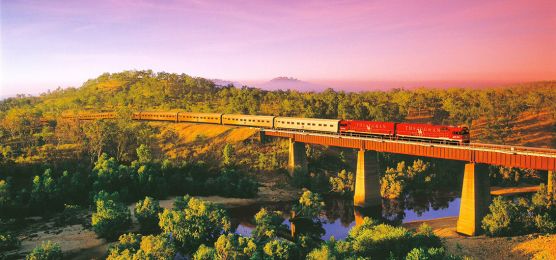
(475, 196)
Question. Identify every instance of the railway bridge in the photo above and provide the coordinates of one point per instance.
(475, 195)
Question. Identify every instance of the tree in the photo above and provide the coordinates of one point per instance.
(310, 205)
(46, 251)
(228, 154)
(502, 219)
(281, 249)
(111, 218)
(269, 225)
(45, 194)
(234, 246)
(205, 253)
(146, 212)
(144, 154)
(344, 183)
(200, 223)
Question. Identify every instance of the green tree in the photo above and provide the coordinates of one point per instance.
(200, 223)
(234, 246)
(111, 218)
(228, 154)
(146, 212)
(269, 225)
(344, 184)
(310, 205)
(502, 219)
(280, 249)
(46, 251)
(205, 253)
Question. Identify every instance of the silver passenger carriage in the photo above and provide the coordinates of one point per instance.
(309, 124)
(213, 118)
(248, 120)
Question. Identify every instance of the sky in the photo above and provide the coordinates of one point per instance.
(359, 44)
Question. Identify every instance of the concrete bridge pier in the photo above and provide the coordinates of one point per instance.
(367, 184)
(297, 160)
(475, 199)
(552, 182)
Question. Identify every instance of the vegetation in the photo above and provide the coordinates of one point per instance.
(133, 246)
(146, 212)
(111, 218)
(199, 223)
(508, 217)
(49, 164)
(46, 251)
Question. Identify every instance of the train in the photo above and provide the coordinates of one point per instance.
(458, 135)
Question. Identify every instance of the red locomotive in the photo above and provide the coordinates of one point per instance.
(368, 127)
(406, 131)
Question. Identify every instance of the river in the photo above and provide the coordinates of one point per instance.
(340, 216)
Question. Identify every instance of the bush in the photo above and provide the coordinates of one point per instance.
(433, 253)
(503, 219)
(310, 205)
(268, 225)
(46, 251)
(133, 246)
(110, 219)
(384, 241)
(200, 223)
(146, 212)
(127, 245)
(281, 249)
(8, 242)
(205, 253)
(344, 184)
(233, 246)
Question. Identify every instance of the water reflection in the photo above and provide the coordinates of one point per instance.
(340, 215)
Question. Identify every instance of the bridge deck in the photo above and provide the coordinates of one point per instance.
(509, 156)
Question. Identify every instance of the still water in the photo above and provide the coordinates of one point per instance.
(339, 215)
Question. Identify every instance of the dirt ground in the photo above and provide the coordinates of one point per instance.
(534, 246)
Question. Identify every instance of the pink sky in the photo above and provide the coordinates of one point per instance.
(46, 44)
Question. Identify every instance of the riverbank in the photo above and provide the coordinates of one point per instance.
(483, 247)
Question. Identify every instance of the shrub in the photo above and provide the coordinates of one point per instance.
(146, 212)
(310, 205)
(201, 222)
(205, 253)
(281, 249)
(46, 251)
(268, 224)
(127, 245)
(503, 218)
(8, 242)
(344, 184)
(110, 219)
(156, 247)
(433, 253)
(233, 246)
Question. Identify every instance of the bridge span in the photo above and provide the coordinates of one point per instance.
(475, 196)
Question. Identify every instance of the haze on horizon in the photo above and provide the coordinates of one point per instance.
(355, 44)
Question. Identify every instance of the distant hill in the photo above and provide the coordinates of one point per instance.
(285, 83)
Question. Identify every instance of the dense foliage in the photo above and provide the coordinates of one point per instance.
(508, 217)
(146, 211)
(46, 251)
(199, 223)
(111, 218)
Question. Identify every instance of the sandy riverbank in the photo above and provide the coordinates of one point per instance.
(483, 247)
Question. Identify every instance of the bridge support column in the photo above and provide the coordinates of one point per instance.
(552, 182)
(297, 160)
(367, 184)
(475, 199)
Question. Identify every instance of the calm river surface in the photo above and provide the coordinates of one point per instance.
(339, 216)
